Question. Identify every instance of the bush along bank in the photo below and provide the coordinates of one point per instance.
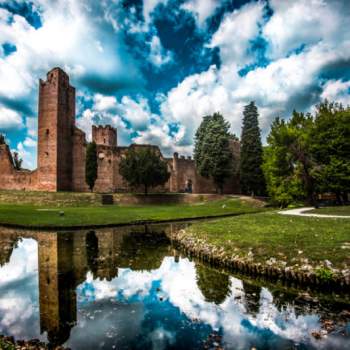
(321, 276)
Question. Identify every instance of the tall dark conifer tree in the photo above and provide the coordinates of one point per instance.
(91, 165)
(251, 174)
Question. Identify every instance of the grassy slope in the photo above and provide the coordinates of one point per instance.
(341, 210)
(107, 215)
(286, 238)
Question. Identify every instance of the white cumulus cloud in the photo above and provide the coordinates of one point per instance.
(10, 119)
(201, 9)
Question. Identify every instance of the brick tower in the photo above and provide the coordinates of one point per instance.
(104, 135)
(55, 131)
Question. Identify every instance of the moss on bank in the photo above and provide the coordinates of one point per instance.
(85, 216)
(269, 243)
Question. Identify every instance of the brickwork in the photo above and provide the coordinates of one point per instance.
(62, 152)
(104, 135)
(79, 155)
(55, 130)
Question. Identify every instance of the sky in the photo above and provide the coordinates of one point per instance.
(154, 68)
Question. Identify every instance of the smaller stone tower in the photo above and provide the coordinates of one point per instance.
(104, 135)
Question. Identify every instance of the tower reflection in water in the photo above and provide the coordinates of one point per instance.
(64, 258)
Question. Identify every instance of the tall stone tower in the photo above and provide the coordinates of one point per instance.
(55, 131)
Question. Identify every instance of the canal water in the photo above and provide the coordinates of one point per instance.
(128, 288)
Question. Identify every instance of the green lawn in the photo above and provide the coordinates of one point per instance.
(339, 210)
(35, 216)
(290, 240)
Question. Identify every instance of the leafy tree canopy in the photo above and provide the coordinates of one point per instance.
(212, 152)
(143, 166)
(330, 148)
(308, 155)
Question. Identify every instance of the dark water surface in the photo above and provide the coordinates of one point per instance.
(128, 288)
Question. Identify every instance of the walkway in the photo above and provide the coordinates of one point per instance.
(301, 212)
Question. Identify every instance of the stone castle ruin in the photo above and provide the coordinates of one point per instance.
(62, 152)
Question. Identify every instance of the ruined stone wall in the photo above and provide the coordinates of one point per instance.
(62, 152)
(184, 169)
(79, 160)
(12, 179)
(106, 169)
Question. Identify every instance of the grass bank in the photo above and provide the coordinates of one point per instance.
(270, 243)
(343, 210)
(85, 216)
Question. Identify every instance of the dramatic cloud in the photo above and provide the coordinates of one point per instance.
(154, 69)
(10, 119)
(337, 90)
(201, 9)
(236, 32)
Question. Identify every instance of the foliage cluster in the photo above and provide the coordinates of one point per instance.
(324, 274)
(308, 155)
(212, 152)
(143, 166)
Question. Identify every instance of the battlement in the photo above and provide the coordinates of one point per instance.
(182, 157)
(104, 135)
(62, 149)
(57, 77)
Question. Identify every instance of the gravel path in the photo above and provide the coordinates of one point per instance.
(301, 212)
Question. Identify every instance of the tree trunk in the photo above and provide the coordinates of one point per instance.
(146, 190)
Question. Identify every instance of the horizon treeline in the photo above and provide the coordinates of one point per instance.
(305, 156)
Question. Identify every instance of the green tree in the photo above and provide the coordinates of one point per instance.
(251, 174)
(212, 153)
(91, 165)
(287, 160)
(330, 149)
(2, 139)
(201, 132)
(17, 161)
(144, 167)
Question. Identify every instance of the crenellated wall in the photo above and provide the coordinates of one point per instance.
(104, 135)
(62, 152)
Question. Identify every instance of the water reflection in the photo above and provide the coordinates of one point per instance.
(127, 288)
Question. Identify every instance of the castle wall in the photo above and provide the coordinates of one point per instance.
(12, 179)
(62, 152)
(184, 169)
(79, 158)
(106, 169)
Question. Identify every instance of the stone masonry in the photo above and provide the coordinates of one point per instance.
(62, 152)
